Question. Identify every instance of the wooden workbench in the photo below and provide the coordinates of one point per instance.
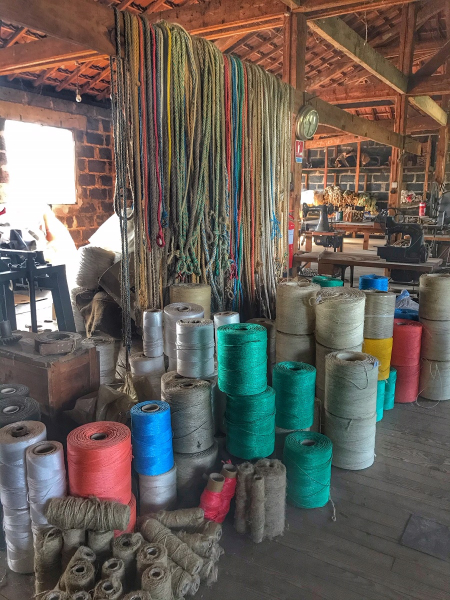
(365, 228)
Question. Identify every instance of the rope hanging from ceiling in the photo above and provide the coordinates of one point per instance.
(203, 146)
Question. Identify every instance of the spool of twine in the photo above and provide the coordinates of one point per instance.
(251, 425)
(158, 492)
(72, 540)
(71, 513)
(184, 518)
(108, 589)
(181, 580)
(139, 595)
(199, 543)
(82, 595)
(106, 352)
(211, 498)
(407, 385)
(381, 391)
(407, 343)
(435, 340)
(192, 293)
(382, 350)
(131, 526)
(191, 469)
(152, 368)
(100, 543)
(280, 439)
(99, 461)
(327, 281)
(374, 282)
(434, 296)
(321, 353)
(156, 579)
(294, 384)
(340, 317)
(271, 342)
(18, 408)
(257, 509)
(172, 314)
(93, 262)
(126, 547)
(389, 393)
(79, 576)
(225, 318)
(13, 389)
(296, 307)
(19, 539)
(353, 441)
(295, 348)
(191, 415)
(229, 472)
(148, 555)
(242, 359)
(274, 474)
(114, 568)
(435, 380)
(55, 595)
(379, 315)
(307, 456)
(83, 554)
(152, 437)
(46, 478)
(410, 314)
(195, 347)
(152, 332)
(246, 471)
(48, 545)
(218, 404)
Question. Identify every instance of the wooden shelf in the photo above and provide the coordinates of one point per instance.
(347, 170)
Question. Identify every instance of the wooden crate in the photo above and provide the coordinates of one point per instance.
(54, 381)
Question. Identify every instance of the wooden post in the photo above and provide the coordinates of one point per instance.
(358, 166)
(427, 168)
(405, 59)
(325, 171)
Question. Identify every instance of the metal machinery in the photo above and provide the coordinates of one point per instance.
(334, 240)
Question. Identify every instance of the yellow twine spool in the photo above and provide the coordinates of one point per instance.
(196, 293)
(382, 350)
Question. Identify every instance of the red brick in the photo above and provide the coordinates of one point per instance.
(81, 164)
(97, 166)
(85, 151)
(87, 207)
(86, 178)
(98, 193)
(94, 138)
(93, 124)
(79, 136)
(76, 236)
(69, 222)
(106, 125)
(106, 180)
(107, 140)
(105, 153)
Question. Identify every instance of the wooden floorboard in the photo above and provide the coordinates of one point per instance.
(358, 557)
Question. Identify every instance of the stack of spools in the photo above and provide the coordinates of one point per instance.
(99, 463)
(250, 412)
(378, 332)
(339, 326)
(434, 315)
(350, 408)
(153, 455)
(172, 314)
(374, 282)
(295, 321)
(192, 293)
(150, 364)
(406, 359)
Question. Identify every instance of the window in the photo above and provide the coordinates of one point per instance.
(41, 164)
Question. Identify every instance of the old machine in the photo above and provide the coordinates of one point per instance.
(334, 239)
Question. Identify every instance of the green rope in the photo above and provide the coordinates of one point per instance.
(294, 384)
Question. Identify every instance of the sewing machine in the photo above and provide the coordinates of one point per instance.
(416, 251)
(324, 210)
(334, 239)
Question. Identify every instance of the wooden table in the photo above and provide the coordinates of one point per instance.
(310, 235)
(366, 228)
(361, 259)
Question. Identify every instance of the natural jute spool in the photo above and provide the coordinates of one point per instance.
(321, 353)
(296, 307)
(435, 380)
(434, 296)
(379, 314)
(353, 441)
(435, 340)
(274, 474)
(340, 317)
(193, 293)
(295, 348)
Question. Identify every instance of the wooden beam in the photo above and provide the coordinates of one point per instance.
(358, 166)
(442, 148)
(340, 6)
(16, 36)
(339, 140)
(428, 106)
(430, 67)
(41, 54)
(82, 22)
(427, 167)
(225, 44)
(91, 83)
(344, 121)
(336, 32)
(72, 77)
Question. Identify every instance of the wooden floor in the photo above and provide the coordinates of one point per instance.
(359, 555)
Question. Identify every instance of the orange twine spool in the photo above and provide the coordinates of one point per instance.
(99, 461)
(211, 499)
(406, 359)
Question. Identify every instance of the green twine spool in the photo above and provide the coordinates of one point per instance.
(307, 456)
(389, 394)
(251, 425)
(327, 281)
(242, 359)
(294, 384)
(381, 391)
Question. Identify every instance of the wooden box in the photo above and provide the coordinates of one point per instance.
(54, 381)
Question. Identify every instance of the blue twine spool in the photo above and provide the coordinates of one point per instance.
(294, 384)
(381, 390)
(151, 432)
(406, 313)
(374, 282)
(389, 394)
(307, 456)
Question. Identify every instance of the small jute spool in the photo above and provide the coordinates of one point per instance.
(172, 314)
(295, 348)
(158, 492)
(321, 353)
(183, 518)
(81, 595)
(191, 415)
(87, 513)
(198, 542)
(195, 347)
(435, 380)
(190, 471)
(126, 547)
(148, 555)
(139, 595)
(382, 350)
(340, 317)
(83, 554)
(56, 595)
(435, 340)
(114, 568)
(274, 474)
(434, 296)
(100, 542)
(246, 471)
(72, 540)
(379, 314)
(181, 580)
(108, 589)
(296, 307)
(79, 576)
(152, 332)
(257, 508)
(157, 580)
(192, 293)
(48, 544)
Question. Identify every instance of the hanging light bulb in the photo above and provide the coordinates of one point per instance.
(78, 95)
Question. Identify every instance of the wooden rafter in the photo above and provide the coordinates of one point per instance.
(338, 140)
(73, 76)
(431, 66)
(92, 82)
(43, 76)
(16, 36)
(429, 107)
(340, 6)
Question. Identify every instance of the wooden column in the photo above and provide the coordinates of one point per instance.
(405, 59)
(427, 168)
(294, 51)
(325, 170)
(358, 166)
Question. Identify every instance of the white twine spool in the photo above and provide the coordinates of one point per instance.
(321, 353)
(192, 293)
(172, 314)
(298, 348)
(136, 349)
(350, 408)
(46, 477)
(435, 340)
(435, 380)
(434, 296)
(296, 307)
(192, 472)
(340, 317)
(190, 410)
(379, 315)
(152, 332)
(195, 347)
(152, 368)
(19, 540)
(93, 262)
(106, 352)
(225, 318)
(158, 492)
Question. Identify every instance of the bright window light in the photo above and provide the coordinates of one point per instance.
(41, 164)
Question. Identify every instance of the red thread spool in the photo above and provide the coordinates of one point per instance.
(99, 461)
(229, 472)
(407, 386)
(211, 498)
(406, 343)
